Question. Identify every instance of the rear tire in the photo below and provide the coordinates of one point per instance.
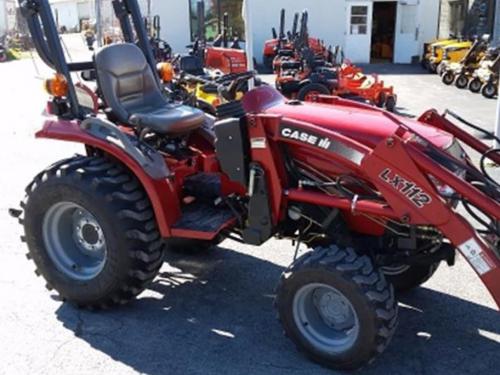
(489, 90)
(406, 278)
(268, 63)
(336, 307)
(120, 212)
(448, 78)
(441, 69)
(390, 104)
(312, 89)
(462, 81)
(475, 85)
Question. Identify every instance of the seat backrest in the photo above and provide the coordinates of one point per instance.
(192, 65)
(126, 81)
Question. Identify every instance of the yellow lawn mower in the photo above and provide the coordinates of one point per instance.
(428, 51)
(436, 54)
(204, 92)
(451, 53)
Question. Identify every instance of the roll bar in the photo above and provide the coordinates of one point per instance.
(43, 30)
(46, 40)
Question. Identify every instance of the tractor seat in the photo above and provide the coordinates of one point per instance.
(133, 96)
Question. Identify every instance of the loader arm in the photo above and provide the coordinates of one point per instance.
(400, 167)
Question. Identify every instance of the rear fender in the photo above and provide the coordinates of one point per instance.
(154, 177)
(304, 82)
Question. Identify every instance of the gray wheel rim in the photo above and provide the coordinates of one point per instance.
(74, 241)
(395, 270)
(475, 85)
(326, 318)
(462, 82)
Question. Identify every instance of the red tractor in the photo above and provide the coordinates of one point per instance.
(374, 196)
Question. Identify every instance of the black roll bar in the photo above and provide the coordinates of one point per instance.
(48, 44)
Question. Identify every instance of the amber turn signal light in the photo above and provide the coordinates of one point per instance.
(57, 86)
(166, 71)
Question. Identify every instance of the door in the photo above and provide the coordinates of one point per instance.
(407, 33)
(359, 31)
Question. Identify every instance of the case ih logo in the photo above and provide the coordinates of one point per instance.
(302, 136)
(408, 188)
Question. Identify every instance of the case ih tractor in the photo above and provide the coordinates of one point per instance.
(374, 196)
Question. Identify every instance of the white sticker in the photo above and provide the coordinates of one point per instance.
(475, 255)
(258, 142)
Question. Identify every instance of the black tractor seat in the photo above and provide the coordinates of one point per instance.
(133, 96)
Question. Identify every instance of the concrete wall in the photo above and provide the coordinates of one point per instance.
(429, 22)
(3, 18)
(66, 14)
(175, 26)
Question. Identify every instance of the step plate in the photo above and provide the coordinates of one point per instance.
(203, 218)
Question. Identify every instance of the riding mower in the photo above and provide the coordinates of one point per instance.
(375, 197)
(436, 53)
(461, 72)
(162, 51)
(453, 53)
(485, 78)
(312, 75)
(284, 41)
(203, 56)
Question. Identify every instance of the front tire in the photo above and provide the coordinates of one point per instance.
(489, 90)
(448, 78)
(462, 81)
(475, 85)
(83, 205)
(336, 307)
(310, 90)
(390, 104)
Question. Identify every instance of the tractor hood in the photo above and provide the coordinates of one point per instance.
(366, 125)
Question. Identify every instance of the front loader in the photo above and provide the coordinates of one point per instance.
(374, 197)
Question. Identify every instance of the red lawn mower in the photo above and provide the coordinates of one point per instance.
(221, 55)
(302, 73)
(374, 196)
(284, 41)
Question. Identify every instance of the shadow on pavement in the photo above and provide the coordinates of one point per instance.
(213, 314)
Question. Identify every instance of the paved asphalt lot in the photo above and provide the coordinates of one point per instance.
(213, 314)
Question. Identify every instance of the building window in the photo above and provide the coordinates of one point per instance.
(359, 19)
(214, 12)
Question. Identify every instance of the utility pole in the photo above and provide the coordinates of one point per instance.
(497, 127)
(98, 22)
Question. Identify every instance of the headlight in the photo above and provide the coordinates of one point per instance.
(455, 150)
